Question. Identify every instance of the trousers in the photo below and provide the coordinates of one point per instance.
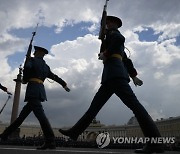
(35, 106)
(122, 89)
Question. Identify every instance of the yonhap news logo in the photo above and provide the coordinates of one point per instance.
(103, 140)
(143, 140)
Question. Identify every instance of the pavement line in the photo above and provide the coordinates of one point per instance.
(16, 149)
(77, 151)
(72, 151)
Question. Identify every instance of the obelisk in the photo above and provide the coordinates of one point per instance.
(15, 107)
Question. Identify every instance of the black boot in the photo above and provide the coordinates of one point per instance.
(81, 125)
(46, 145)
(151, 149)
(69, 133)
(3, 138)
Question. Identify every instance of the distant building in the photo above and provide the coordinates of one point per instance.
(168, 127)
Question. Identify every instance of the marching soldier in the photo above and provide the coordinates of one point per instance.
(35, 72)
(115, 78)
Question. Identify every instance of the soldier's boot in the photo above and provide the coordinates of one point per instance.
(3, 138)
(47, 145)
(150, 130)
(79, 127)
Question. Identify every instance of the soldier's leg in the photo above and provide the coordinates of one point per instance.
(101, 97)
(125, 93)
(22, 116)
(44, 122)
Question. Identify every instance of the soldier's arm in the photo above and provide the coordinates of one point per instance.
(131, 70)
(3, 88)
(29, 63)
(57, 79)
(27, 70)
(129, 66)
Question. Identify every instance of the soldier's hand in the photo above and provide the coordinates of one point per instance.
(9, 93)
(137, 81)
(67, 89)
(101, 56)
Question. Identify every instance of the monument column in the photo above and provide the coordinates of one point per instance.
(15, 107)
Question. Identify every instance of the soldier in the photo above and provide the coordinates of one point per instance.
(35, 72)
(115, 79)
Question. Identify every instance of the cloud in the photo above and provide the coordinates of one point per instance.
(9, 44)
(76, 61)
(57, 13)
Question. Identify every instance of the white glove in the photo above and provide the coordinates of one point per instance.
(101, 56)
(137, 81)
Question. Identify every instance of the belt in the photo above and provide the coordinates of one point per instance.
(116, 56)
(36, 80)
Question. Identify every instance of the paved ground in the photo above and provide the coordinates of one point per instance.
(32, 150)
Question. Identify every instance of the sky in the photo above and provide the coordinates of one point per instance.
(69, 30)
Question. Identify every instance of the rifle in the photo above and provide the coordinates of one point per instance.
(9, 96)
(103, 27)
(28, 55)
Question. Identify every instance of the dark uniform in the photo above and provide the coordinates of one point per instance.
(115, 78)
(36, 68)
(113, 66)
(35, 72)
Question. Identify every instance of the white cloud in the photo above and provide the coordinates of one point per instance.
(174, 79)
(169, 30)
(9, 44)
(158, 75)
(76, 60)
(80, 65)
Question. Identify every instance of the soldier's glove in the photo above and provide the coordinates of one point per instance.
(67, 89)
(101, 56)
(137, 81)
(9, 93)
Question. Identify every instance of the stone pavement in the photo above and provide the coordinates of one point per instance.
(8, 149)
